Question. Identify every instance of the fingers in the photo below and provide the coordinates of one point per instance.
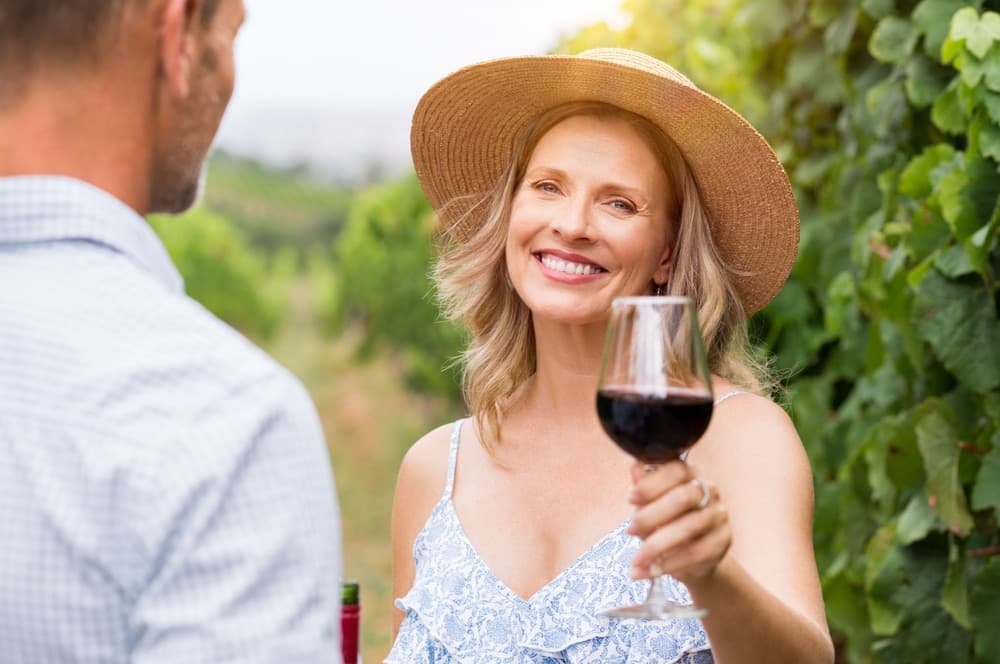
(693, 494)
(639, 469)
(684, 525)
(690, 546)
(650, 481)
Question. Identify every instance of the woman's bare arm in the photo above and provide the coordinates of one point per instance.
(748, 557)
(419, 487)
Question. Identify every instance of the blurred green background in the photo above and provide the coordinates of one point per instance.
(886, 114)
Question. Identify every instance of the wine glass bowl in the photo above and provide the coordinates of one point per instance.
(652, 424)
(654, 398)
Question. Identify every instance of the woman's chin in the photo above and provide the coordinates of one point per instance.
(571, 313)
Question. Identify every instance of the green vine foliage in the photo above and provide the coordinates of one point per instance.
(222, 272)
(383, 285)
(887, 115)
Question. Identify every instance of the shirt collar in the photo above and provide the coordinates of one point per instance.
(45, 208)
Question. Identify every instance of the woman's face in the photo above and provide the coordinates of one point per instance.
(589, 221)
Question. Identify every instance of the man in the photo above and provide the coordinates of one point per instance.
(165, 492)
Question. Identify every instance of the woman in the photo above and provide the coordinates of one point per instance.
(563, 182)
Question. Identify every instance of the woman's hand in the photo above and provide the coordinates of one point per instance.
(684, 524)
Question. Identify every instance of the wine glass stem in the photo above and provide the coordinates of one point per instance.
(656, 599)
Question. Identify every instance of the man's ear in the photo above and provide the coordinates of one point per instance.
(177, 44)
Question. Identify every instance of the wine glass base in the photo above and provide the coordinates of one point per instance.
(665, 612)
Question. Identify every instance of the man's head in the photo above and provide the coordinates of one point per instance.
(37, 34)
(195, 97)
(160, 70)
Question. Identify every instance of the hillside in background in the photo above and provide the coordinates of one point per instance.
(273, 207)
(342, 144)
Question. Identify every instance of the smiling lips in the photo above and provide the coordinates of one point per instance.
(569, 265)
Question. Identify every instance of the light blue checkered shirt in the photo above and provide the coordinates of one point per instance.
(165, 492)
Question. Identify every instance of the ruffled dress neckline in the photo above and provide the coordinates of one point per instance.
(458, 610)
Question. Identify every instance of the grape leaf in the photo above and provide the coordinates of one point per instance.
(917, 520)
(989, 141)
(985, 604)
(916, 179)
(954, 262)
(955, 595)
(939, 447)
(979, 245)
(968, 196)
(979, 32)
(837, 36)
(885, 563)
(893, 40)
(959, 321)
(986, 492)
(932, 18)
(925, 80)
(947, 112)
(877, 8)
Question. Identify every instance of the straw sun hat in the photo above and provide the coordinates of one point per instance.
(465, 126)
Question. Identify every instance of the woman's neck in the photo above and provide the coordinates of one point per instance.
(568, 360)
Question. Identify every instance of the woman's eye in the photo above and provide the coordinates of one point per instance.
(622, 205)
(548, 187)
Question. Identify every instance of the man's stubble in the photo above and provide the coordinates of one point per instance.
(178, 172)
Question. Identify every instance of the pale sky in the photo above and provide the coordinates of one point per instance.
(336, 82)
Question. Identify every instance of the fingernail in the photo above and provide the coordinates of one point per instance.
(636, 573)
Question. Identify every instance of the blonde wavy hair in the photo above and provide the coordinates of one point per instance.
(474, 287)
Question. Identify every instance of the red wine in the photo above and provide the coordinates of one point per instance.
(653, 428)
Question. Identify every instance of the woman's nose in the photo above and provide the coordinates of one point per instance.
(574, 221)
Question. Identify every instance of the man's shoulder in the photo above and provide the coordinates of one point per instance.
(117, 333)
(187, 330)
(116, 307)
(190, 348)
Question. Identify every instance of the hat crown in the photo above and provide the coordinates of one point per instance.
(636, 60)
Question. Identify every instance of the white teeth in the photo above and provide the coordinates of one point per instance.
(568, 267)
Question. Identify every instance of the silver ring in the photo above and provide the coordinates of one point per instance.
(706, 495)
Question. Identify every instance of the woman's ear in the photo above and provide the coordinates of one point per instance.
(665, 267)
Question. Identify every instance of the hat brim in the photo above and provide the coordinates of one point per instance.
(464, 128)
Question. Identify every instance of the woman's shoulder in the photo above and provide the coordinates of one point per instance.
(754, 455)
(420, 485)
(737, 404)
(423, 472)
(736, 401)
(747, 426)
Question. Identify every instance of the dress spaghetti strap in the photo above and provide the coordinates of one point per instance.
(729, 395)
(456, 434)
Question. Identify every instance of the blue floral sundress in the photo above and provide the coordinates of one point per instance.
(458, 612)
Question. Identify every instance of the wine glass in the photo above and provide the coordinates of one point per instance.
(654, 399)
